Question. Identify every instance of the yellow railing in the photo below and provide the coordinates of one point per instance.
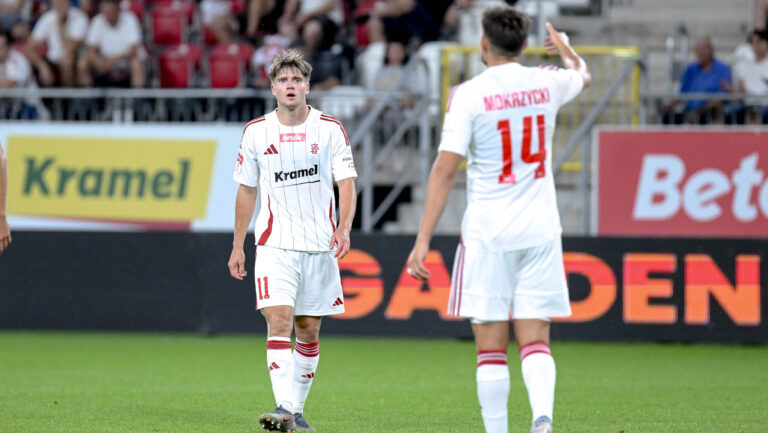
(459, 63)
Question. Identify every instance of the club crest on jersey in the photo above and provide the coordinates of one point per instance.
(281, 176)
(293, 138)
(314, 148)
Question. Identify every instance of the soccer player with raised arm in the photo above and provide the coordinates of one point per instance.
(509, 257)
(290, 159)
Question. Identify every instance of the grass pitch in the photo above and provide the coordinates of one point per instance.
(105, 382)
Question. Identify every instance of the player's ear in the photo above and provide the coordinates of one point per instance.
(525, 46)
(272, 88)
(484, 44)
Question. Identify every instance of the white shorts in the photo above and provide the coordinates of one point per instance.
(309, 282)
(530, 283)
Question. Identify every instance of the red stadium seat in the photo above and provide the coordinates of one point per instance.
(226, 71)
(241, 50)
(239, 6)
(136, 6)
(178, 65)
(187, 7)
(169, 26)
(208, 37)
(227, 64)
(20, 46)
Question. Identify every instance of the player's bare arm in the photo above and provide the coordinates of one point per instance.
(347, 205)
(558, 43)
(245, 203)
(5, 230)
(440, 183)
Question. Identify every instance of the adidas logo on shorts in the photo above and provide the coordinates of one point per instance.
(338, 302)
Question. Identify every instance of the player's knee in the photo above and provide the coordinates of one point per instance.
(308, 328)
(280, 325)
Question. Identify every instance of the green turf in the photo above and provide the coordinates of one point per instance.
(104, 382)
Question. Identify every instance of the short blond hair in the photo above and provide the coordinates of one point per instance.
(291, 59)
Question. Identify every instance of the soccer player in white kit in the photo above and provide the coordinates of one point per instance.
(509, 257)
(291, 157)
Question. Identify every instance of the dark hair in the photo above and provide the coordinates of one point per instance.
(406, 56)
(762, 34)
(506, 29)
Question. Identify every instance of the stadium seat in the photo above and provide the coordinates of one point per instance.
(225, 69)
(178, 65)
(344, 101)
(208, 37)
(242, 50)
(169, 25)
(186, 7)
(20, 46)
(136, 6)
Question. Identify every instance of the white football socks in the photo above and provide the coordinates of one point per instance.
(539, 375)
(305, 359)
(280, 363)
(493, 389)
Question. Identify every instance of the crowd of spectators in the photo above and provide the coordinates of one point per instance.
(191, 43)
(176, 43)
(745, 79)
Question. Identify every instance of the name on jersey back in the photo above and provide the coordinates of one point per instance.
(523, 98)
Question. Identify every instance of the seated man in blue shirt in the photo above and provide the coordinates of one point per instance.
(706, 75)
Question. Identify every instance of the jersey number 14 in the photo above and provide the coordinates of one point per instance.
(507, 175)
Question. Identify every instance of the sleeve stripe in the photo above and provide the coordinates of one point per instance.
(256, 120)
(336, 121)
(450, 97)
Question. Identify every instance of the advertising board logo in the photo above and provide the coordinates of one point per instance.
(662, 193)
(109, 178)
(682, 183)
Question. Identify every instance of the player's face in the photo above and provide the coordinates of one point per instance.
(290, 88)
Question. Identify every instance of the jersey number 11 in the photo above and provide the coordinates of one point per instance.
(507, 175)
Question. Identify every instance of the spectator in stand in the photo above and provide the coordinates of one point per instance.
(301, 11)
(317, 40)
(395, 69)
(272, 46)
(406, 19)
(15, 72)
(705, 75)
(62, 29)
(113, 49)
(751, 77)
(13, 12)
(263, 16)
(218, 16)
(761, 15)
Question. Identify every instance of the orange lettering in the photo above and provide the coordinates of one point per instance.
(602, 284)
(367, 293)
(703, 277)
(408, 295)
(639, 288)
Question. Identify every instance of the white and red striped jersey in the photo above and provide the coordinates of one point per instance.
(294, 168)
(503, 121)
